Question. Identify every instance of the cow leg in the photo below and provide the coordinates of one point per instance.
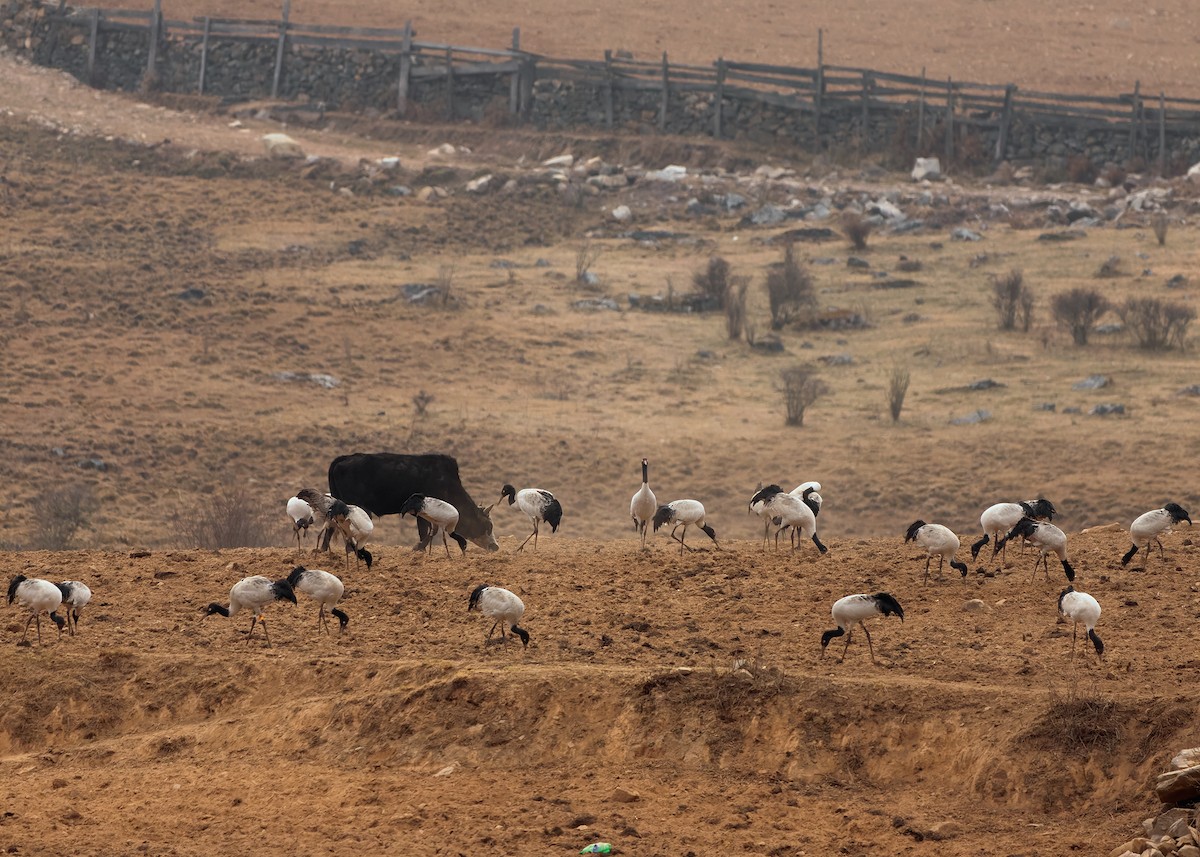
(425, 531)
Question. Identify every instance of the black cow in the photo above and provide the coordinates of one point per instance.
(380, 482)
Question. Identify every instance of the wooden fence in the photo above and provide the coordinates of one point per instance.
(824, 95)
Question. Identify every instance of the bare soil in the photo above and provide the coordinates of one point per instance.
(694, 683)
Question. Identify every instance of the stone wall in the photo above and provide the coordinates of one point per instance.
(359, 80)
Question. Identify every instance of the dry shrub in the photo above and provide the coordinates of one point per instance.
(1110, 268)
(736, 694)
(586, 255)
(714, 281)
(59, 513)
(857, 229)
(801, 387)
(1080, 724)
(1080, 169)
(1156, 324)
(1012, 300)
(228, 517)
(789, 289)
(1077, 310)
(1160, 224)
(896, 391)
(1114, 174)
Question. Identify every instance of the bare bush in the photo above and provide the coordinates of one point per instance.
(1156, 324)
(789, 289)
(897, 390)
(714, 281)
(1077, 310)
(857, 228)
(1110, 268)
(735, 307)
(801, 387)
(59, 513)
(1081, 170)
(586, 255)
(1161, 223)
(445, 284)
(421, 402)
(229, 517)
(1012, 300)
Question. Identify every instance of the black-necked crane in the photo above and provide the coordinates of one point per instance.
(1081, 607)
(503, 606)
(644, 504)
(684, 513)
(786, 510)
(254, 594)
(939, 541)
(319, 502)
(1048, 539)
(1000, 518)
(324, 588)
(1149, 526)
(302, 517)
(355, 526)
(440, 515)
(854, 610)
(37, 596)
(539, 505)
(75, 596)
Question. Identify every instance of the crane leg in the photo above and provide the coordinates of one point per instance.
(849, 636)
(870, 648)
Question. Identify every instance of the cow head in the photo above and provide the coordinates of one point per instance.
(486, 539)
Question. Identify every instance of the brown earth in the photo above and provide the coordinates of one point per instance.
(155, 732)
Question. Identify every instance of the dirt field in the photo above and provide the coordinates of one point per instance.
(157, 277)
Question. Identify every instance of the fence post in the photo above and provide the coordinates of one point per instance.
(921, 113)
(1133, 118)
(204, 54)
(1162, 133)
(666, 90)
(1005, 123)
(405, 66)
(608, 90)
(819, 89)
(949, 121)
(866, 116)
(450, 83)
(718, 97)
(514, 89)
(93, 37)
(155, 27)
(528, 76)
(283, 26)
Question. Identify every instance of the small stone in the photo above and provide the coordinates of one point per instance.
(622, 213)
(623, 795)
(1134, 846)
(945, 830)
(975, 605)
(1187, 851)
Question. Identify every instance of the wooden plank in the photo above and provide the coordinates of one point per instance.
(280, 47)
(514, 86)
(439, 71)
(718, 97)
(93, 38)
(795, 84)
(1005, 124)
(405, 70)
(608, 90)
(203, 57)
(666, 93)
(778, 70)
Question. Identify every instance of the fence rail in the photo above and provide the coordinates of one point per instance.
(821, 93)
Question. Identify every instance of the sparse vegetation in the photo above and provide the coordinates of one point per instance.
(1077, 310)
(59, 513)
(227, 517)
(789, 289)
(1079, 724)
(714, 281)
(801, 387)
(1160, 223)
(857, 228)
(445, 284)
(896, 391)
(1012, 300)
(1080, 169)
(586, 255)
(1156, 324)
(421, 401)
(735, 307)
(1110, 268)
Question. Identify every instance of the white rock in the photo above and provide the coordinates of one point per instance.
(927, 168)
(479, 185)
(391, 163)
(560, 161)
(1193, 173)
(672, 173)
(282, 146)
(446, 150)
(622, 213)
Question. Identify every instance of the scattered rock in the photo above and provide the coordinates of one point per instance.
(1092, 382)
(479, 185)
(927, 168)
(979, 416)
(594, 304)
(621, 213)
(192, 294)
(564, 161)
(282, 146)
(673, 173)
(1178, 281)
(1045, 406)
(975, 605)
(857, 262)
(623, 795)
(767, 215)
(1107, 409)
(1067, 235)
(984, 384)
(962, 234)
(320, 379)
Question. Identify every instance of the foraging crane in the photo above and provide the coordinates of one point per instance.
(1047, 538)
(644, 504)
(805, 491)
(302, 517)
(936, 539)
(684, 513)
(254, 594)
(1150, 526)
(441, 516)
(37, 596)
(355, 527)
(853, 610)
(75, 596)
(319, 503)
(325, 589)
(1002, 517)
(539, 505)
(498, 603)
(786, 510)
(1081, 607)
